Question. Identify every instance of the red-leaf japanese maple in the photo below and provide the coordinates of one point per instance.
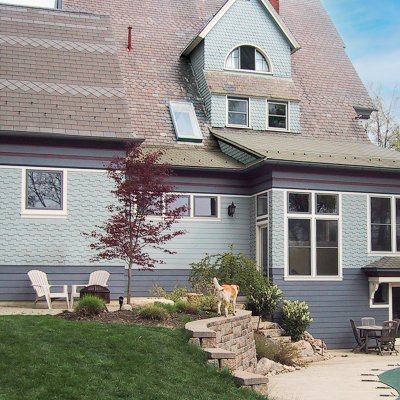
(142, 216)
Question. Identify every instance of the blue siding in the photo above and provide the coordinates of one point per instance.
(333, 304)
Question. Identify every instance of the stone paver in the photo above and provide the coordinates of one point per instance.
(341, 378)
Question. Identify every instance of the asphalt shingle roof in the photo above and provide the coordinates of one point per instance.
(385, 263)
(59, 75)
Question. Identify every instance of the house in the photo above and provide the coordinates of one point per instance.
(255, 102)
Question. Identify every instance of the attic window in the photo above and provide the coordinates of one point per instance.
(187, 127)
(247, 58)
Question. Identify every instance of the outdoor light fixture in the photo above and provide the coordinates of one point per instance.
(231, 209)
(121, 301)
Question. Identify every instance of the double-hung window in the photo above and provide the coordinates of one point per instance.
(385, 224)
(277, 115)
(313, 235)
(238, 112)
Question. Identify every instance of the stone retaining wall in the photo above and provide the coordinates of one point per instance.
(234, 334)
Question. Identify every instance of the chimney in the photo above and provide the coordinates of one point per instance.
(275, 4)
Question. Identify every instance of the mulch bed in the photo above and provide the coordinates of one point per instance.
(175, 320)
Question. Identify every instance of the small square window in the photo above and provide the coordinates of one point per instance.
(262, 204)
(187, 127)
(181, 201)
(238, 112)
(299, 203)
(277, 115)
(44, 190)
(327, 204)
(205, 206)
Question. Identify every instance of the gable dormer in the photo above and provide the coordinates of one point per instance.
(242, 61)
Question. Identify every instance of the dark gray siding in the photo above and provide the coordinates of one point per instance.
(333, 304)
(144, 282)
(16, 286)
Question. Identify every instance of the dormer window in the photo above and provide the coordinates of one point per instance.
(187, 127)
(247, 58)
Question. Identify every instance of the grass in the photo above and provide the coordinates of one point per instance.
(50, 358)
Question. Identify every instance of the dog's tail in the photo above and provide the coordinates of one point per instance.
(217, 285)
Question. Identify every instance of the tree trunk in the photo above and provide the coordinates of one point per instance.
(129, 282)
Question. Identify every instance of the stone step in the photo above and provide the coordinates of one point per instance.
(245, 378)
(280, 339)
(271, 332)
(217, 353)
(263, 324)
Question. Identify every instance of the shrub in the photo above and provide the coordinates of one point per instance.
(169, 307)
(175, 295)
(264, 299)
(154, 312)
(90, 305)
(187, 307)
(283, 353)
(229, 268)
(295, 318)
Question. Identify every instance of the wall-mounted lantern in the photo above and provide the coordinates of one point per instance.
(231, 209)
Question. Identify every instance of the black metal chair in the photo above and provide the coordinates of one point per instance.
(387, 341)
(360, 341)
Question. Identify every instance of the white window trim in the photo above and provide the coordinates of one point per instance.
(248, 126)
(42, 213)
(287, 103)
(393, 252)
(250, 71)
(313, 217)
(379, 281)
(191, 215)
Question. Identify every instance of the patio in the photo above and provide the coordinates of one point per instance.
(346, 376)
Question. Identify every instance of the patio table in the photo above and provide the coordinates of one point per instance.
(367, 329)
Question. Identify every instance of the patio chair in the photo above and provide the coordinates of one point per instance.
(95, 278)
(360, 341)
(387, 341)
(43, 289)
(367, 321)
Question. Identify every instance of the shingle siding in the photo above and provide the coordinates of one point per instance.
(247, 22)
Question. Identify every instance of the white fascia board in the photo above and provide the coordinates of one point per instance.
(275, 16)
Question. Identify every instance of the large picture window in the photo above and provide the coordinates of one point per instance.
(313, 235)
(384, 224)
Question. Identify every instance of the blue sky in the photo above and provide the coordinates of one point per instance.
(371, 31)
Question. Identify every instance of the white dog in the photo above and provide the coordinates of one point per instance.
(228, 294)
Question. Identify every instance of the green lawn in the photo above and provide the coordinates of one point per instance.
(48, 358)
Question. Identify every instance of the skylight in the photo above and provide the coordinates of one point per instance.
(187, 127)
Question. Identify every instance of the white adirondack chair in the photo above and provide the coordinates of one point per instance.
(43, 289)
(95, 278)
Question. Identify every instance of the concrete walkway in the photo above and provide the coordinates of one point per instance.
(347, 376)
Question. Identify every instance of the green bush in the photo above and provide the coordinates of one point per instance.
(90, 305)
(264, 299)
(229, 268)
(283, 353)
(169, 307)
(154, 312)
(176, 295)
(187, 307)
(296, 318)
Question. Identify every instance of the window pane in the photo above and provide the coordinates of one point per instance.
(44, 190)
(327, 261)
(205, 206)
(277, 109)
(277, 122)
(262, 204)
(237, 105)
(327, 204)
(380, 210)
(381, 238)
(398, 211)
(237, 119)
(327, 233)
(299, 232)
(233, 60)
(156, 207)
(299, 261)
(299, 202)
(181, 201)
(247, 58)
(183, 123)
(261, 62)
(381, 296)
